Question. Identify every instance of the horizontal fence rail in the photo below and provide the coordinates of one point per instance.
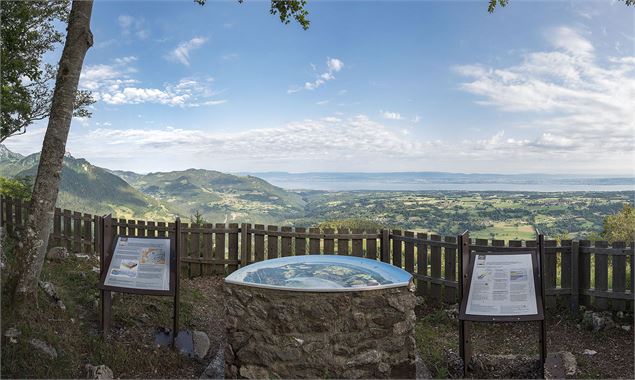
(574, 272)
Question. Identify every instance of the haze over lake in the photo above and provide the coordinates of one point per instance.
(421, 181)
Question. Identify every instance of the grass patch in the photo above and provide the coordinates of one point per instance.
(435, 335)
(129, 351)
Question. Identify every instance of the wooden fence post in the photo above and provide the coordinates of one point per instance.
(385, 245)
(465, 327)
(105, 238)
(435, 270)
(618, 283)
(601, 275)
(244, 241)
(575, 277)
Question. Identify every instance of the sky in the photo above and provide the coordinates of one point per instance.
(372, 86)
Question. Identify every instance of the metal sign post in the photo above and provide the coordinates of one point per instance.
(524, 265)
(121, 275)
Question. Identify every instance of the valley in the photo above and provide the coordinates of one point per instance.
(220, 197)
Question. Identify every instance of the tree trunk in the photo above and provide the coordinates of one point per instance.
(34, 242)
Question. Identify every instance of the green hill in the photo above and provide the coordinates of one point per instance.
(88, 188)
(157, 196)
(219, 196)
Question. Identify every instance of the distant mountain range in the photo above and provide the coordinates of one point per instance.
(268, 198)
(217, 196)
(86, 187)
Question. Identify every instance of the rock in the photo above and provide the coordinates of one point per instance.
(98, 372)
(453, 312)
(597, 321)
(200, 342)
(626, 328)
(602, 321)
(620, 314)
(401, 327)
(82, 256)
(420, 301)
(50, 290)
(365, 358)
(44, 347)
(57, 253)
(95, 269)
(216, 368)
(12, 332)
(560, 365)
(589, 352)
(254, 372)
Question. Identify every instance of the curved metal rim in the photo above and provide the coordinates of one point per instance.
(319, 290)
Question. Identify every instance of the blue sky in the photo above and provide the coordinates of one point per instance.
(372, 86)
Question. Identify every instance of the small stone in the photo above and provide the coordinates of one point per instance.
(620, 314)
(81, 256)
(254, 372)
(400, 328)
(44, 347)
(200, 342)
(560, 365)
(98, 372)
(602, 321)
(50, 290)
(216, 368)
(12, 332)
(57, 253)
(365, 358)
(95, 269)
(626, 328)
(300, 341)
(589, 352)
(420, 301)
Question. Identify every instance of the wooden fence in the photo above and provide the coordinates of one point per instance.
(574, 272)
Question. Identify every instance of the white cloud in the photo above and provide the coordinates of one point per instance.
(354, 143)
(130, 25)
(416, 119)
(333, 65)
(391, 115)
(578, 104)
(308, 139)
(114, 84)
(182, 52)
(571, 41)
(125, 22)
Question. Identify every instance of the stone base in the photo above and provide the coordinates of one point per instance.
(287, 334)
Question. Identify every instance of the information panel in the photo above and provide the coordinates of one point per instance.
(140, 263)
(502, 285)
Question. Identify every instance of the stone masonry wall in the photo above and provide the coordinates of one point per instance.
(287, 334)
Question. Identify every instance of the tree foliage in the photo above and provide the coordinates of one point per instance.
(286, 11)
(352, 223)
(197, 219)
(28, 32)
(19, 188)
(620, 226)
